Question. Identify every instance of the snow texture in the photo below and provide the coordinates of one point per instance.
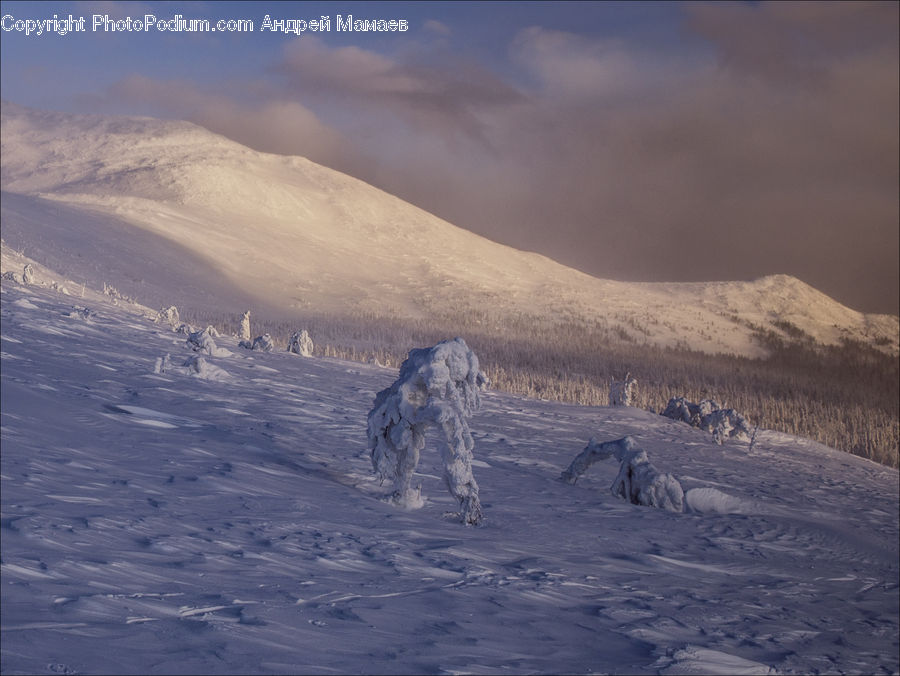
(300, 343)
(623, 393)
(723, 423)
(637, 482)
(162, 523)
(437, 386)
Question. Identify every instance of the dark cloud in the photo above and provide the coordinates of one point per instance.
(774, 149)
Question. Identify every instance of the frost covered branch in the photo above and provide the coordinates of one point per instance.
(638, 481)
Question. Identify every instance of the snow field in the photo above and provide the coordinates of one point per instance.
(162, 523)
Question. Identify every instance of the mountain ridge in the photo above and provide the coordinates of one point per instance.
(292, 236)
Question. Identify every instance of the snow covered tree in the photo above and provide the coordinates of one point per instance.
(723, 423)
(245, 326)
(28, 276)
(437, 386)
(263, 343)
(638, 481)
(623, 393)
(300, 343)
(168, 315)
(202, 341)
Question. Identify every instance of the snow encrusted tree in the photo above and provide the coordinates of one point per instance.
(169, 316)
(638, 481)
(28, 276)
(263, 343)
(623, 393)
(437, 386)
(202, 341)
(245, 326)
(723, 423)
(300, 343)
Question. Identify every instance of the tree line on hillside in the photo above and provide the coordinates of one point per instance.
(844, 396)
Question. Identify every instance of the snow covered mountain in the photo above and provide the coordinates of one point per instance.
(228, 521)
(132, 201)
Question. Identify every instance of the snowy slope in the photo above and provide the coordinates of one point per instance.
(283, 235)
(165, 523)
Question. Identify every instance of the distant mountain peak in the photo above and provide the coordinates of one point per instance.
(298, 237)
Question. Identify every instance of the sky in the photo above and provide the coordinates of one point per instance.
(634, 141)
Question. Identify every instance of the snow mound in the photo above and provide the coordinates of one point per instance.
(713, 501)
(695, 660)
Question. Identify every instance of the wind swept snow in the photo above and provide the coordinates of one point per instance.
(160, 523)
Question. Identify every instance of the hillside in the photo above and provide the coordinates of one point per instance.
(118, 200)
(158, 522)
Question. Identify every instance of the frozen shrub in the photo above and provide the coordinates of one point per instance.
(28, 276)
(198, 366)
(638, 481)
(13, 277)
(245, 326)
(437, 386)
(723, 423)
(261, 343)
(300, 343)
(623, 393)
(167, 316)
(201, 341)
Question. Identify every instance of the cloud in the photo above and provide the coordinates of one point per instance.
(445, 100)
(437, 27)
(765, 141)
(273, 125)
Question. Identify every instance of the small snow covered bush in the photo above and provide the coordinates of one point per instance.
(168, 315)
(245, 326)
(623, 393)
(300, 343)
(202, 341)
(638, 481)
(198, 366)
(437, 386)
(28, 276)
(723, 423)
(261, 343)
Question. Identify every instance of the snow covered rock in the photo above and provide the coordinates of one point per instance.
(300, 343)
(638, 481)
(623, 393)
(437, 386)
